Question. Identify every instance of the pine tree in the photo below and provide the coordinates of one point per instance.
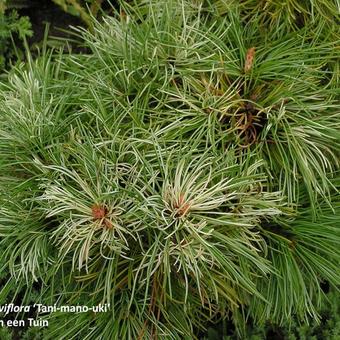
(184, 169)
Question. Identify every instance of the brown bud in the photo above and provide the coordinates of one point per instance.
(98, 212)
(250, 56)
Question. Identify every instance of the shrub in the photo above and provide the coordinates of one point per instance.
(184, 169)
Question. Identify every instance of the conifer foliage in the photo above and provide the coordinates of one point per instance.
(185, 168)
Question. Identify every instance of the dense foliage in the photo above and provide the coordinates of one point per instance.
(13, 29)
(185, 169)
